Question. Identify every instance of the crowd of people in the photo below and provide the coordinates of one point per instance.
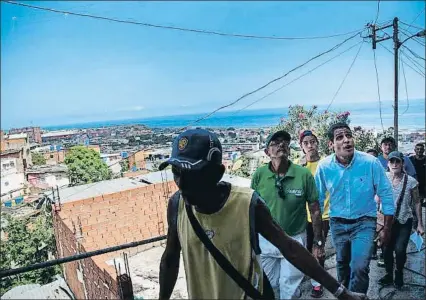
(260, 242)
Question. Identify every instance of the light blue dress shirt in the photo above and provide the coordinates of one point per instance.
(352, 188)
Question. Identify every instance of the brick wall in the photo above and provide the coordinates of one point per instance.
(110, 220)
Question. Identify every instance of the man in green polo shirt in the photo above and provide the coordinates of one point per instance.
(286, 188)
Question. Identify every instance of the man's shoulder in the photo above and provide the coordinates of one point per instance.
(367, 158)
(261, 170)
(325, 161)
(300, 169)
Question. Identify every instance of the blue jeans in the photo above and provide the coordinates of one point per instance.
(353, 240)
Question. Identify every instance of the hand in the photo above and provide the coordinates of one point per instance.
(318, 252)
(348, 295)
(384, 237)
(420, 229)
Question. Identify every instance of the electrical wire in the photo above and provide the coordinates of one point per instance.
(405, 84)
(414, 53)
(411, 25)
(297, 78)
(419, 67)
(346, 75)
(270, 82)
(409, 34)
(177, 28)
(378, 90)
(378, 11)
(408, 65)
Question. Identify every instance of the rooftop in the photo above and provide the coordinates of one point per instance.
(11, 151)
(17, 136)
(100, 188)
(59, 133)
(47, 169)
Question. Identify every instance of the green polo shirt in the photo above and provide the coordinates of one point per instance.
(299, 188)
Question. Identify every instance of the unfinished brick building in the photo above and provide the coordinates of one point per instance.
(106, 214)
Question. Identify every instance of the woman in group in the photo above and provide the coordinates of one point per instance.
(406, 195)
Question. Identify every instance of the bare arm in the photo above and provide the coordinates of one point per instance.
(315, 211)
(417, 207)
(169, 265)
(294, 252)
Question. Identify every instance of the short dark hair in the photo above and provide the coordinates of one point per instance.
(420, 145)
(372, 150)
(334, 127)
(388, 139)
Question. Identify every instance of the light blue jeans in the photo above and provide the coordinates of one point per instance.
(353, 240)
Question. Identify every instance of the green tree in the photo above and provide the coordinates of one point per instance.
(38, 159)
(300, 118)
(124, 165)
(28, 242)
(243, 169)
(86, 166)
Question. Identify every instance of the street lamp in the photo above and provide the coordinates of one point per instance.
(418, 34)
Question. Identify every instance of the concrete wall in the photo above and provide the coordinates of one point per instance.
(12, 180)
(111, 220)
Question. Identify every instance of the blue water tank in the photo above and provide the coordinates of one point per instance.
(52, 147)
(58, 147)
(124, 154)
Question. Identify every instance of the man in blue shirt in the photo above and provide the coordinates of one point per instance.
(388, 145)
(353, 178)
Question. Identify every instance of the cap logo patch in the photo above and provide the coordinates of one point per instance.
(182, 143)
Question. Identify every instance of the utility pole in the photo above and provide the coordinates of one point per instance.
(397, 44)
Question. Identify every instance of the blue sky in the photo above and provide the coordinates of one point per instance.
(59, 69)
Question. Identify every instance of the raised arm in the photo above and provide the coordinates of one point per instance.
(169, 265)
(295, 253)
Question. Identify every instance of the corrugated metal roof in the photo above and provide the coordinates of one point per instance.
(53, 290)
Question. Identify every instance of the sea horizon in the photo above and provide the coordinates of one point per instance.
(366, 114)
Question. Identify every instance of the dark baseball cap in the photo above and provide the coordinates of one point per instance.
(397, 155)
(306, 133)
(193, 149)
(280, 133)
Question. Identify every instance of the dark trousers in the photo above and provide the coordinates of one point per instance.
(400, 236)
(353, 240)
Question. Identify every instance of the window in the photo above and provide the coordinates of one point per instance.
(51, 155)
(12, 164)
(6, 183)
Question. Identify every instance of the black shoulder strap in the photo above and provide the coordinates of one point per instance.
(401, 196)
(221, 260)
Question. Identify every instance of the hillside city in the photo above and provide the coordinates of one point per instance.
(191, 150)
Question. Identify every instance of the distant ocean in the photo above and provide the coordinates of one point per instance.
(363, 114)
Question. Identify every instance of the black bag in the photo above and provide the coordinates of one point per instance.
(226, 266)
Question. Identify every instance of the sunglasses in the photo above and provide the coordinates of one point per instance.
(279, 186)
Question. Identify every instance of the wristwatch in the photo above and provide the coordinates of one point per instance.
(339, 291)
(318, 243)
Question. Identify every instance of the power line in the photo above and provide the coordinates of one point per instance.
(406, 88)
(270, 82)
(177, 28)
(411, 25)
(378, 11)
(344, 78)
(409, 35)
(408, 65)
(418, 15)
(418, 66)
(378, 90)
(414, 53)
(297, 78)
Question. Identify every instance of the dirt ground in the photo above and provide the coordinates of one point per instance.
(144, 269)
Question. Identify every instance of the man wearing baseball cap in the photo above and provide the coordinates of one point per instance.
(309, 144)
(216, 226)
(286, 188)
